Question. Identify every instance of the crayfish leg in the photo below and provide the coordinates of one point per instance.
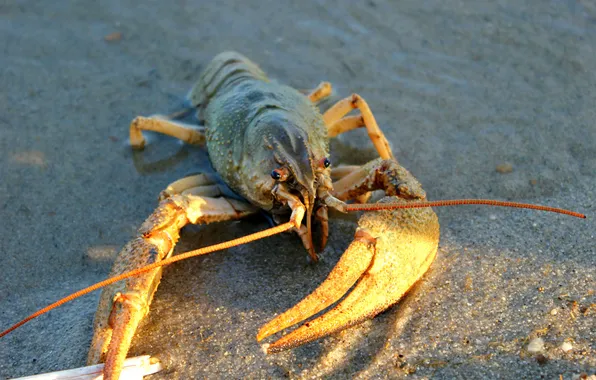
(322, 91)
(188, 133)
(336, 122)
(379, 174)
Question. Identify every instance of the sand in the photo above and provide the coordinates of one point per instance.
(480, 99)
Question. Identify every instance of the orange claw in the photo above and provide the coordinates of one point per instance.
(391, 251)
(123, 305)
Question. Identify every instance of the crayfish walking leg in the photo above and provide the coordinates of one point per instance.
(338, 123)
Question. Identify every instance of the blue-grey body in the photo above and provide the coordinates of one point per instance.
(254, 125)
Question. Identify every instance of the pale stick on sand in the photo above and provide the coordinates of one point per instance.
(134, 369)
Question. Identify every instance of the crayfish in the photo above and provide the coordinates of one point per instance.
(269, 144)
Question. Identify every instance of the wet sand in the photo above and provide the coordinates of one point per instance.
(459, 87)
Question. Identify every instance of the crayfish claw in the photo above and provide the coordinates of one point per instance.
(123, 305)
(345, 274)
(392, 250)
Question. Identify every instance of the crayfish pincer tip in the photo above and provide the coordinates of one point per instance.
(261, 335)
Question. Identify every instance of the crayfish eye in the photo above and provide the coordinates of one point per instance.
(280, 174)
(324, 163)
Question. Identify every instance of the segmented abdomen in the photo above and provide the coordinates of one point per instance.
(226, 69)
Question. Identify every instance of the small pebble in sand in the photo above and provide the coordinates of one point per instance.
(505, 168)
(554, 312)
(541, 359)
(566, 347)
(536, 345)
(116, 36)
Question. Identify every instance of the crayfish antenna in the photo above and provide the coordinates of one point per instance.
(459, 202)
(183, 256)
